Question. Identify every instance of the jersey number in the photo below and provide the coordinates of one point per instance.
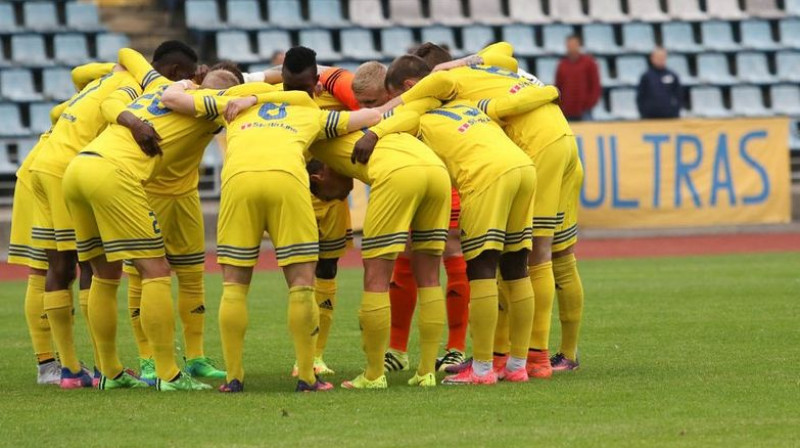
(156, 227)
(155, 108)
(495, 71)
(452, 112)
(272, 111)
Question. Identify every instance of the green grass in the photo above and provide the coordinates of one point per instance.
(699, 351)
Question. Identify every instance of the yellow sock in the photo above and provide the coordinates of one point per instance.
(304, 326)
(58, 306)
(482, 317)
(35, 317)
(520, 315)
(158, 322)
(375, 318)
(192, 309)
(83, 300)
(325, 295)
(232, 326)
(432, 315)
(502, 342)
(544, 290)
(103, 324)
(134, 312)
(570, 303)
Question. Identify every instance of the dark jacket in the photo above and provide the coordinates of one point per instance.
(659, 94)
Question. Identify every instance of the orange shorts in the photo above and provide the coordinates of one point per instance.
(455, 209)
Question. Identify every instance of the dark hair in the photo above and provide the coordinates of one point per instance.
(404, 68)
(232, 67)
(314, 166)
(298, 59)
(174, 47)
(433, 54)
(576, 37)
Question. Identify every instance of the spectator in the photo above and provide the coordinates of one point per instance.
(579, 81)
(659, 94)
(277, 58)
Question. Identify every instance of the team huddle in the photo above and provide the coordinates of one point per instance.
(470, 163)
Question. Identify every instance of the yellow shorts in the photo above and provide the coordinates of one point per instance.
(335, 230)
(111, 213)
(52, 224)
(499, 217)
(181, 220)
(566, 233)
(557, 172)
(416, 198)
(275, 201)
(20, 247)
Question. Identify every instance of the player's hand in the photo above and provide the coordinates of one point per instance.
(364, 147)
(147, 138)
(200, 73)
(118, 68)
(238, 105)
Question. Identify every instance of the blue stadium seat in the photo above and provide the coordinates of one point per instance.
(790, 32)
(285, 13)
(713, 68)
(752, 67)
(321, 42)
(476, 37)
(522, 38)
(678, 36)
(24, 147)
(17, 85)
(623, 104)
(527, 12)
(686, 10)
(599, 38)
(368, 13)
(447, 12)
(489, 12)
(40, 117)
(707, 102)
(630, 69)
(748, 101)
(40, 16)
(788, 66)
(568, 11)
(679, 64)
(108, 44)
(724, 9)
(83, 16)
(553, 37)
(605, 73)
(203, 15)
(57, 83)
(757, 35)
(396, 41)
(244, 14)
(235, 45)
(647, 11)
(792, 7)
(441, 35)
(600, 111)
(718, 36)
(8, 23)
(6, 165)
(786, 99)
(546, 69)
(28, 49)
(326, 13)
(71, 49)
(406, 12)
(522, 64)
(358, 44)
(765, 9)
(12, 121)
(271, 41)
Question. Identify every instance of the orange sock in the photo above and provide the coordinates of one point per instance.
(457, 301)
(403, 297)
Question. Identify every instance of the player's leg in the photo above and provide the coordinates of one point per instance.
(457, 298)
(84, 283)
(233, 318)
(147, 367)
(325, 295)
(403, 299)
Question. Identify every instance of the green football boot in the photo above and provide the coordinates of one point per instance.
(147, 370)
(125, 380)
(183, 382)
(203, 368)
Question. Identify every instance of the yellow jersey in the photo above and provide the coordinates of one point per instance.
(24, 173)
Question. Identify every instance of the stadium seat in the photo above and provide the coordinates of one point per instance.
(752, 67)
(12, 121)
(527, 11)
(707, 102)
(441, 35)
(24, 147)
(724, 9)
(476, 37)
(686, 10)
(40, 117)
(7, 167)
(679, 64)
(448, 12)
(713, 68)
(321, 42)
(747, 101)
(638, 37)
(605, 73)
(17, 85)
(285, 13)
(57, 83)
(7, 22)
(40, 16)
(788, 66)
(623, 104)
(404, 12)
(786, 99)
(271, 41)
(203, 15)
(396, 41)
(790, 32)
(647, 11)
(757, 35)
(609, 11)
(244, 14)
(368, 13)
(235, 45)
(765, 9)
(522, 38)
(71, 49)
(83, 16)
(546, 69)
(326, 13)
(600, 111)
(718, 36)
(489, 12)
(108, 45)
(357, 44)
(568, 11)
(522, 64)
(553, 37)
(630, 69)
(599, 38)
(678, 36)
(792, 7)
(28, 49)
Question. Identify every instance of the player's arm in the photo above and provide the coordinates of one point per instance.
(404, 120)
(440, 86)
(517, 103)
(335, 123)
(118, 100)
(56, 111)
(339, 82)
(500, 54)
(84, 74)
(140, 69)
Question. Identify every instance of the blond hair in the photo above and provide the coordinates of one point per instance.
(369, 76)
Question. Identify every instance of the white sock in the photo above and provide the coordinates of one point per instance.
(481, 368)
(515, 363)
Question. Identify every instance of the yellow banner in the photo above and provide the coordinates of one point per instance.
(678, 173)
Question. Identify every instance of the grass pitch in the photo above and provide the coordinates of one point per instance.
(699, 351)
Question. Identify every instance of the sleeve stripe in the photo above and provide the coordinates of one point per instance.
(328, 125)
(334, 124)
(210, 107)
(149, 77)
(131, 92)
(483, 105)
(331, 81)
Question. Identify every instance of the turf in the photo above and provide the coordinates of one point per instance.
(697, 351)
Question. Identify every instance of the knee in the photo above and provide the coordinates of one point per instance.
(513, 265)
(190, 283)
(542, 250)
(152, 267)
(327, 268)
(484, 266)
(86, 275)
(61, 270)
(452, 248)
